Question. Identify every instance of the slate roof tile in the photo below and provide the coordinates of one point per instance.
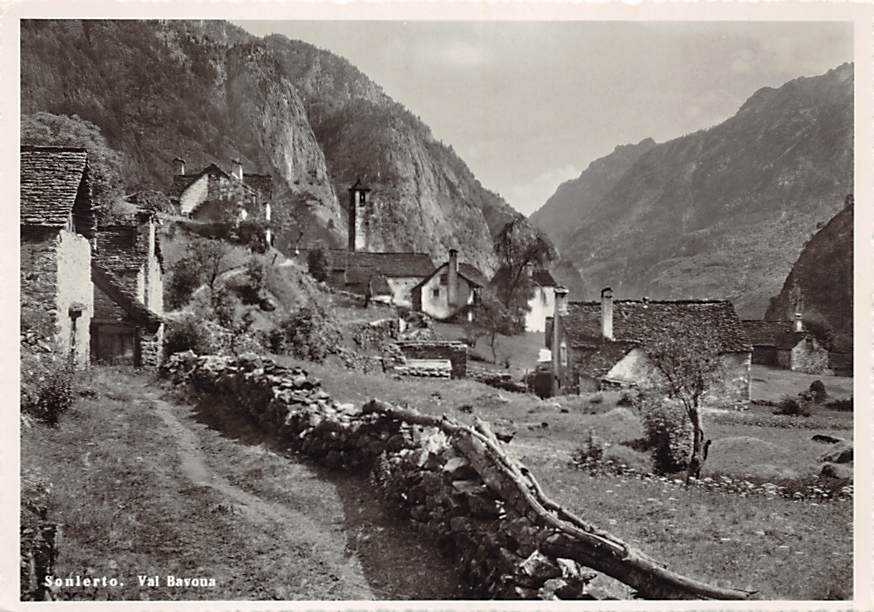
(51, 182)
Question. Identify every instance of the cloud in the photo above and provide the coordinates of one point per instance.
(529, 195)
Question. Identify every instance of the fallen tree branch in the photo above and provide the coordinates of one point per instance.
(571, 537)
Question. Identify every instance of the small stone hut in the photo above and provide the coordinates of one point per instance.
(57, 234)
(787, 345)
(129, 293)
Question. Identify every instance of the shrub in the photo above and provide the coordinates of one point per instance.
(251, 292)
(793, 407)
(628, 398)
(184, 279)
(845, 405)
(47, 389)
(187, 334)
(668, 433)
(621, 454)
(817, 391)
(318, 264)
(306, 334)
(37, 552)
(592, 449)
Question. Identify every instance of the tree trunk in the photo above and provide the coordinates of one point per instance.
(698, 456)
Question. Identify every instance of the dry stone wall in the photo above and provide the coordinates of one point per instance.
(423, 472)
(455, 352)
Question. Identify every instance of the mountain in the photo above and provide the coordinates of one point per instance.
(823, 274)
(574, 199)
(209, 92)
(722, 212)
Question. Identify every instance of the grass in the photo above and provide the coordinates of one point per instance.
(772, 384)
(520, 351)
(147, 487)
(751, 542)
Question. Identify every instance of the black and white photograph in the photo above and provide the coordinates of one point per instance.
(437, 310)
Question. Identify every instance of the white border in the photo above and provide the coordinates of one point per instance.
(861, 14)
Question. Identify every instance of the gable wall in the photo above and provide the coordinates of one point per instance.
(74, 286)
(38, 277)
(438, 306)
(541, 305)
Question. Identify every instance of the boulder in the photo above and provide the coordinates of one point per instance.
(837, 470)
(843, 453)
(827, 439)
(537, 569)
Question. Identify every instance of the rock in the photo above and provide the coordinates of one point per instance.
(459, 468)
(549, 588)
(837, 470)
(842, 454)
(827, 439)
(537, 569)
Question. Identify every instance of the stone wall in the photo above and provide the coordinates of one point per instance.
(152, 348)
(424, 473)
(455, 352)
(39, 273)
(809, 356)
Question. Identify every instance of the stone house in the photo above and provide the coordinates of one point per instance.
(541, 304)
(787, 345)
(388, 276)
(210, 194)
(449, 288)
(604, 344)
(128, 275)
(57, 233)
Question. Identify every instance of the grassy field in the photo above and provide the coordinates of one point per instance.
(146, 486)
(757, 543)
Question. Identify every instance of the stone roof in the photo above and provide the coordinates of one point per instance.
(114, 288)
(472, 274)
(641, 322)
(391, 265)
(598, 362)
(54, 184)
(543, 278)
(765, 333)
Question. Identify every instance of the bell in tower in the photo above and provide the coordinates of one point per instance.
(358, 231)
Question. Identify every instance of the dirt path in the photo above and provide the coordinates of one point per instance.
(375, 554)
(297, 527)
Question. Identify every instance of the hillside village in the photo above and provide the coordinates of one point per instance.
(231, 329)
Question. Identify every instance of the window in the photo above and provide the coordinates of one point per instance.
(562, 353)
(435, 292)
(443, 279)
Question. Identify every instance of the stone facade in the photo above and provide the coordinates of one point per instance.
(56, 290)
(807, 356)
(540, 306)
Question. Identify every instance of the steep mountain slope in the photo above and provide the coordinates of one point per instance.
(574, 199)
(824, 275)
(209, 92)
(722, 212)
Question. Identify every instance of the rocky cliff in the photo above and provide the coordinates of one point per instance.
(209, 92)
(823, 275)
(721, 212)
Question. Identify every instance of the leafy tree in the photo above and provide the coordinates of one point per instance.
(105, 174)
(292, 218)
(491, 319)
(689, 364)
(318, 264)
(518, 247)
(203, 262)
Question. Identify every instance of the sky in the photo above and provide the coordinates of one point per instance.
(529, 104)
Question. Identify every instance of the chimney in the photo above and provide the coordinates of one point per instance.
(560, 311)
(178, 166)
(798, 324)
(452, 278)
(237, 169)
(607, 313)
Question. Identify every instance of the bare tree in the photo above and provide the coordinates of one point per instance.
(292, 218)
(690, 365)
